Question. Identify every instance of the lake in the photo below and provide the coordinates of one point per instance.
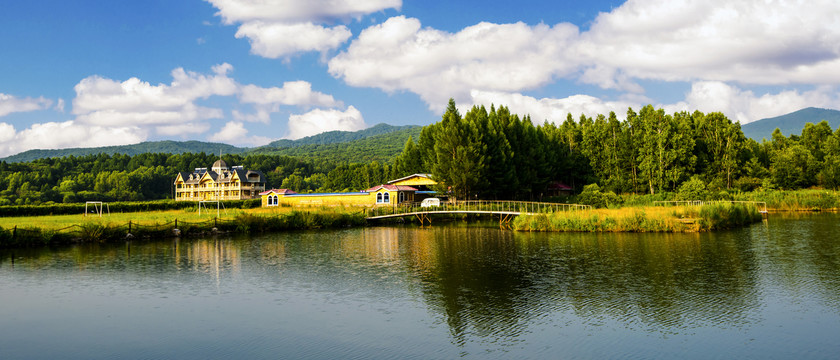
(771, 290)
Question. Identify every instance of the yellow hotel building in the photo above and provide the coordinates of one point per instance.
(219, 183)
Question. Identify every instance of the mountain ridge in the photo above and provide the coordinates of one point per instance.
(195, 146)
(791, 123)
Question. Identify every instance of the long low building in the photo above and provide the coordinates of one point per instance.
(380, 195)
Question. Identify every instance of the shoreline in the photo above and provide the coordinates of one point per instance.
(127, 227)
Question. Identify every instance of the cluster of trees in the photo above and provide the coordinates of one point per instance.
(150, 176)
(487, 154)
(496, 154)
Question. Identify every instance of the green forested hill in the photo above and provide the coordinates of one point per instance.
(334, 137)
(378, 143)
(167, 146)
(380, 148)
(790, 124)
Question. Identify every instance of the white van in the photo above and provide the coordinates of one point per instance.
(430, 202)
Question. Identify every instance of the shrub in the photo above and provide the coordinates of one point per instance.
(693, 189)
(592, 195)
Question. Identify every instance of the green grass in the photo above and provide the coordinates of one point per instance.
(794, 200)
(643, 219)
(60, 229)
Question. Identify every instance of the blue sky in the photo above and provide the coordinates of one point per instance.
(245, 72)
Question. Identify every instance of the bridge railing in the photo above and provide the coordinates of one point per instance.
(521, 207)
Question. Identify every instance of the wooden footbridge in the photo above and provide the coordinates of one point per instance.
(506, 210)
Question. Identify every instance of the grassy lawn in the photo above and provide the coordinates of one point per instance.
(53, 222)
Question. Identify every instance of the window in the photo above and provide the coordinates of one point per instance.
(387, 198)
(401, 198)
(378, 197)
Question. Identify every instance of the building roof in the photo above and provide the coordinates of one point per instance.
(219, 164)
(556, 185)
(225, 176)
(427, 176)
(391, 188)
(278, 192)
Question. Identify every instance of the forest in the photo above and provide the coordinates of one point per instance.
(493, 154)
(484, 154)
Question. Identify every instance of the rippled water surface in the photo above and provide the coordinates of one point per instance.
(768, 291)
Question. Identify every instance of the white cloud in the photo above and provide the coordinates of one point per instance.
(269, 100)
(318, 121)
(276, 40)
(552, 110)
(707, 96)
(110, 112)
(745, 106)
(234, 132)
(291, 11)
(57, 135)
(297, 93)
(106, 102)
(59, 105)
(399, 55)
(7, 133)
(281, 28)
(749, 41)
(11, 104)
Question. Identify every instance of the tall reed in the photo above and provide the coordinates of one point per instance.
(643, 219)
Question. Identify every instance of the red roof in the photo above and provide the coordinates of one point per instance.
(390, 187)
(559, 186)
(278, 192)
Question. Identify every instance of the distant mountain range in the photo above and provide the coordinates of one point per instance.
(377, 143)
(790, 123)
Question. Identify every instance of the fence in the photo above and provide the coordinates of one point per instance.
(478, 206)
(88, 232)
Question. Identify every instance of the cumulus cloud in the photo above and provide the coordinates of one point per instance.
(276, 40)
(707, 96)
(12, 104)
(106, 102)
(549, 109)
(750, 41)
(234, 132)
(233, 11)
(57, 135)
(318, 121)
(400, 55)
(280, 28)
(298, 93)
(745, 106)
(268, 100)
(111, 112)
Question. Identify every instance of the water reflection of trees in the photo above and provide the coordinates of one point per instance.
(492, 283)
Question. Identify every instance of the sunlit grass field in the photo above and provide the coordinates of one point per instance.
(54, 222)
(643, 219)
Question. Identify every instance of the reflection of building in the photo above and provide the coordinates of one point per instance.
(219, 183)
